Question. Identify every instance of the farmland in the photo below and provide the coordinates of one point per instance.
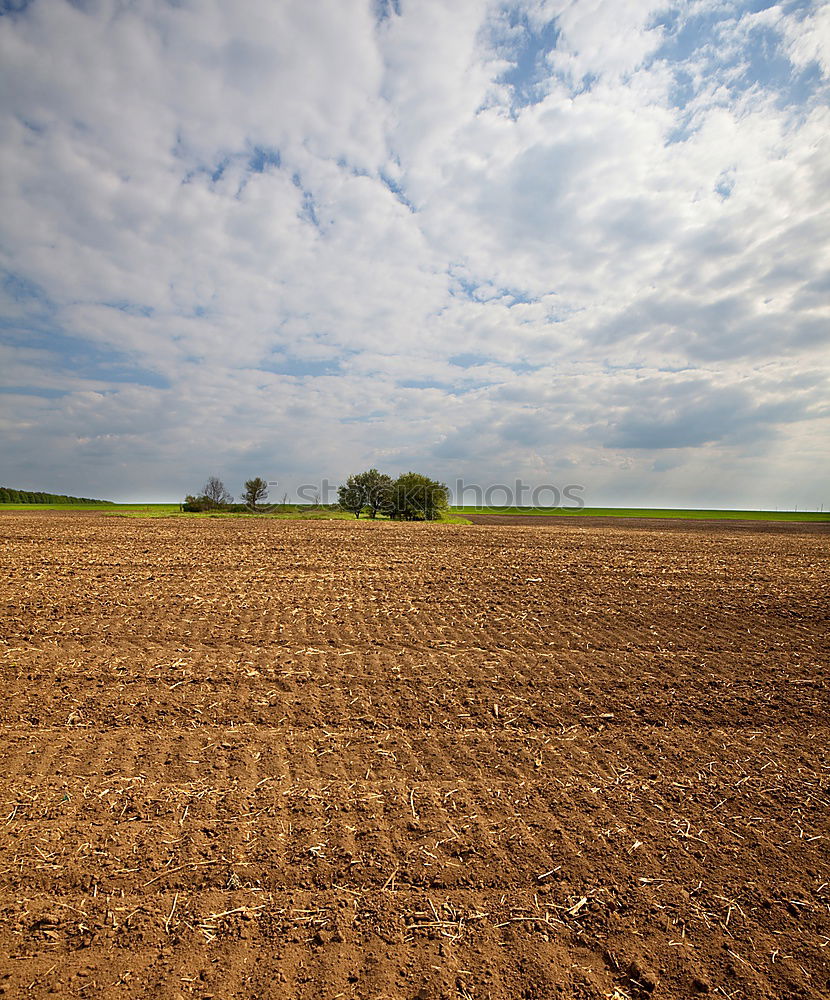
(337, 758)
(457, 513)
(643, 513)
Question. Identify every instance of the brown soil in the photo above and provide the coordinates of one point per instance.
(273, 759)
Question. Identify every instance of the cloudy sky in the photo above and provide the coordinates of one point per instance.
(562, 241)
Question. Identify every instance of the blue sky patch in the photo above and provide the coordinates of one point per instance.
(308, 209)
(396, 190)
(13, 6)
(263, 157)
(299, 367)
(526, 48)
(27, 390)
(131, 308)
(468, 360)
(21, 289)
(703, 49)
(75, 357)
(384, 9)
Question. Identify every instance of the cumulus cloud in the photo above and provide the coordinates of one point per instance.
(486, 239)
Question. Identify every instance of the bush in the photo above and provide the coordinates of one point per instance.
(197, 505)
(214, 496)
(416, 497)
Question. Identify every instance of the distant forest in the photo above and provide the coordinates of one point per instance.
(8, 495)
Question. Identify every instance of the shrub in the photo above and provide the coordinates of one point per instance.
(416, 497)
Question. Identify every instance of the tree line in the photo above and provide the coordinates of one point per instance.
(214, 496)
(410, 497)
(8, 495)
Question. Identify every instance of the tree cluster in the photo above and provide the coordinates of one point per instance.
(214, 496)
(410, 497)
(8, 495)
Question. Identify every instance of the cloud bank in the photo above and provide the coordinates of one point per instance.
(559, 240)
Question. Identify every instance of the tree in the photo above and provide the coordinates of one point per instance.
(378, 487)
(415, 497)
(366, 490)
(256, 490)
(215, 493)
(352, 496)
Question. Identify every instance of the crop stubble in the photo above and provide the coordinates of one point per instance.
(333, 759)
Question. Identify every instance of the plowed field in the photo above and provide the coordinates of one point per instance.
(272, 759)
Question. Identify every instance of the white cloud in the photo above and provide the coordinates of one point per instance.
(286, 235)
(808, 38)
(604, 38)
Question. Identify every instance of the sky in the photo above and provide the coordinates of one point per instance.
(565, 242)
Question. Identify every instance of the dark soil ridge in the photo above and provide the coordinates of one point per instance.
(652, 523)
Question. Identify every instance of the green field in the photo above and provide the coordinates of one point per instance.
(456, 515)
(690, 515)
(148, 509)
(175, 510)
(298, 512)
